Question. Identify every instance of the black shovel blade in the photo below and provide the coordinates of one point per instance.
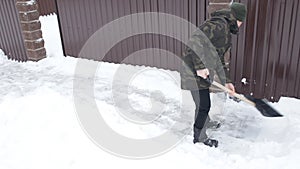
(264, 108)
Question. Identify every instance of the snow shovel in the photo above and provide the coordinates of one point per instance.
(261, 105)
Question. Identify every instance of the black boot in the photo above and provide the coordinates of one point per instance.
(211, 143)
(201, 137)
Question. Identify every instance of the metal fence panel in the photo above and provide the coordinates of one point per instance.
(267, 52)
(80, 19)
(10, 31)
(46, 7)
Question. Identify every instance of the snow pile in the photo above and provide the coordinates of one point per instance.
(2, 55)
(39, 127)
(51, 35)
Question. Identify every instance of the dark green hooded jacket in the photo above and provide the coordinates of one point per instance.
(206, 49)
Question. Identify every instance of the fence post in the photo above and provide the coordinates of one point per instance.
(31, 29)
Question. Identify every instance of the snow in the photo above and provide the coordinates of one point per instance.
(39, 127)
(244, 81)
(31, 2)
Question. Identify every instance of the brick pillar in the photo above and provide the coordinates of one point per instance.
(31, 29)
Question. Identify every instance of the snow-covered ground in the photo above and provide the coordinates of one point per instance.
(39, 127)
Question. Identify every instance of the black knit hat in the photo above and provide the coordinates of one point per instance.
(239, 10)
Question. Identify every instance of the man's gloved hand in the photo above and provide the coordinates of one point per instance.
(231, 87)
(203, 73)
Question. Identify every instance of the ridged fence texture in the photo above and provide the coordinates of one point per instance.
(265, 53)
(11, 38)
(46, 7)
(80, 19)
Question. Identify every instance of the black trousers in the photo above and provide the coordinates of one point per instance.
(203, 104)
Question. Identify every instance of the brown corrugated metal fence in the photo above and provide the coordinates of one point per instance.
(80, 19)
(267, 52)
(11, 38)
(46, 7)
